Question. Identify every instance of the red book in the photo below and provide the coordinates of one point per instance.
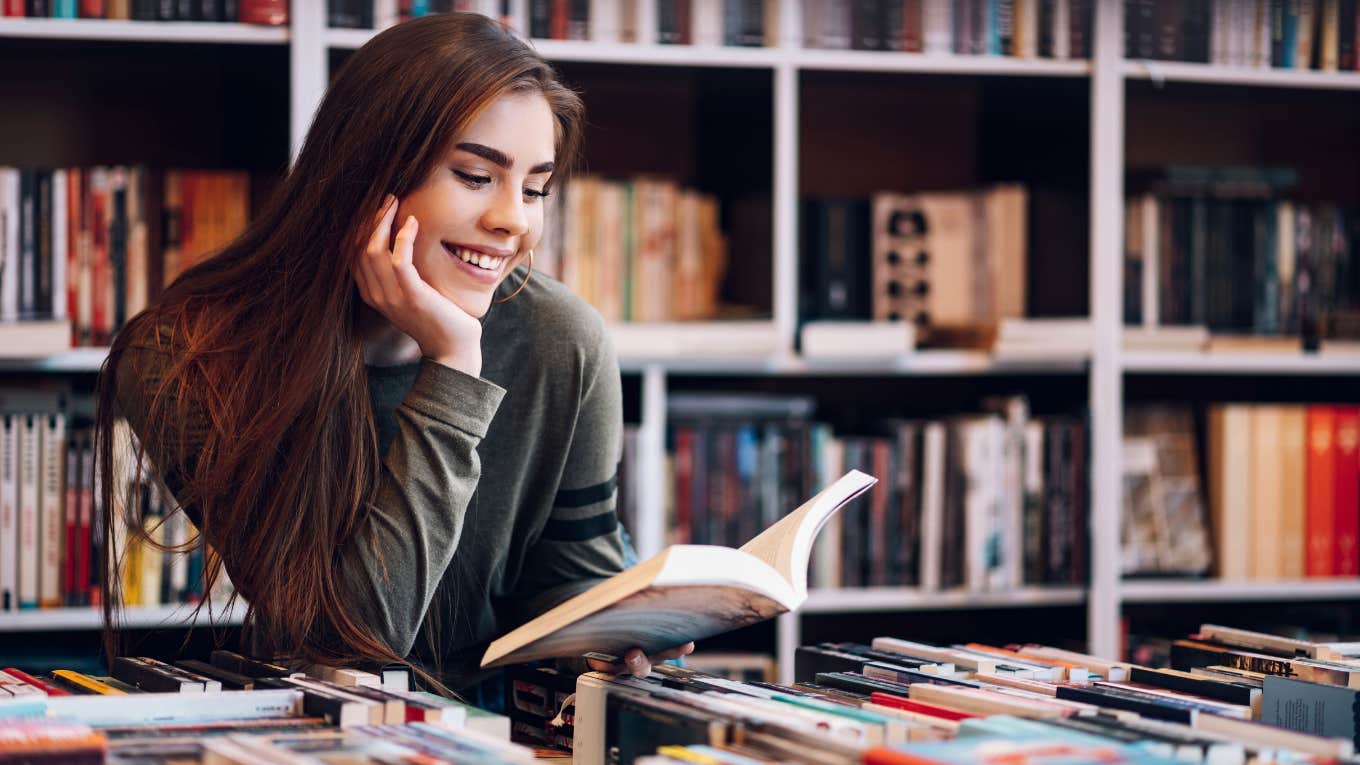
(42, 685)
(13, 8)
(1321, 467)
(72, 589)
(89, 585)
(272, 13)
(93, 9)
(1347, 494)
(919, 707)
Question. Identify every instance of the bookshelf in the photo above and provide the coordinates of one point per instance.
(796, 76)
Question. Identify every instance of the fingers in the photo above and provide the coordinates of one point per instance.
(386, 279)
(637, 662)
(382, 230)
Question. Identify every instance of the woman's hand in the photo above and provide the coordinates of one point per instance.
(388, 281)
(639, 663)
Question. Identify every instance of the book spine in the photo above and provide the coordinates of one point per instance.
(9, 512)
(50, 547)
(29, 484)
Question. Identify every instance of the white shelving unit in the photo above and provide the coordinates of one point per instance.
(310, 43)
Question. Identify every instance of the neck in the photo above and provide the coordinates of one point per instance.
(384, 344)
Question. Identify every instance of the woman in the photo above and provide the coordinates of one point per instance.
(316, 396)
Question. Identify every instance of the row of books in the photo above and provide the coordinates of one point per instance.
(952, 262)
(52, 543)
(984, 502)
(1284, 34)
(1284, 490)
(1218, 247)
(267, 12)
(1277, 496)
(1231, 696)
(642, 249)
(235, 709)
(87, 248)
(1056, 29)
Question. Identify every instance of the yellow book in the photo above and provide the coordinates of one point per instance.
(87, 682)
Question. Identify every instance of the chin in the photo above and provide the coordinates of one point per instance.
(474, 304)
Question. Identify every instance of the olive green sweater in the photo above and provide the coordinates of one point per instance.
(497, 496)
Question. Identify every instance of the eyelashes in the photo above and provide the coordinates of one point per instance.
(480, 181)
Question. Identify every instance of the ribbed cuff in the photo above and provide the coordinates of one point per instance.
(453, 397)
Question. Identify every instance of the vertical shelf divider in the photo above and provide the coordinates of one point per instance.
(1107, 310)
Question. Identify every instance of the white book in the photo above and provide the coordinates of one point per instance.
(708, 22)
(144, 708)
(29, 503)
(965, 661)
(938, 23)
(9, 244)
(1062, 23)
(686, 592)
(53, 500)
(9, 512)
(59, 244)
(605, 21)
(933, 443)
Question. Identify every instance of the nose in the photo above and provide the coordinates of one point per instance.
(506, 215)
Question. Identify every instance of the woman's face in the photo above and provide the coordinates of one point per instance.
(481, 210)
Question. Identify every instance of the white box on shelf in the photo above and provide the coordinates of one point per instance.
(857, 339)
(698, 340)
(34, 339)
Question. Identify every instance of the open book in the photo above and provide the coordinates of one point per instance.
(685, 592)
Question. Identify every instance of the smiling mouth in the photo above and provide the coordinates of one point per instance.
(481, 260)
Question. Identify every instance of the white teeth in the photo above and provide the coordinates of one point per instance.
(479, 259)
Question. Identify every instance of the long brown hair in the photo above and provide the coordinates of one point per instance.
(260, 419)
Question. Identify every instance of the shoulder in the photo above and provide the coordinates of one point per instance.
(553, 325)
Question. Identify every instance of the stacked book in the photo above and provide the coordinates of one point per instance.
(1230, 696)
(235, 709)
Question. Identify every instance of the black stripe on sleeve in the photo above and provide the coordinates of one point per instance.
(581, 529)
(569, 498)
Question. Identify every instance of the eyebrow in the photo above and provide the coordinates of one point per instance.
(500, 158)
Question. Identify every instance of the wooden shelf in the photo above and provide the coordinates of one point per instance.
(867, 599)
(1209, 363)
(1179, 71)
(139, 617)
(144, 31)
(1218, 591)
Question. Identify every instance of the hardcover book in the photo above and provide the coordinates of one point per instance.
(686, 592)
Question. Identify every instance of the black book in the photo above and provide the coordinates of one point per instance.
(242, 665)
(231, 681)
(152, 679)
(335, 710)
(1113, 698)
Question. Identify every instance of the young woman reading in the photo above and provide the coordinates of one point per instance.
(398, 439)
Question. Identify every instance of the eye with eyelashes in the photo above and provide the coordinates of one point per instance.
(479, 181)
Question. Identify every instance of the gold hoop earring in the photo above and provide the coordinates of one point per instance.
(526, 279)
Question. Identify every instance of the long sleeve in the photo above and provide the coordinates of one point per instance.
(580, 544)
(428, 476)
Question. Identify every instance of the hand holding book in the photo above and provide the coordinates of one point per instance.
(636, 661)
